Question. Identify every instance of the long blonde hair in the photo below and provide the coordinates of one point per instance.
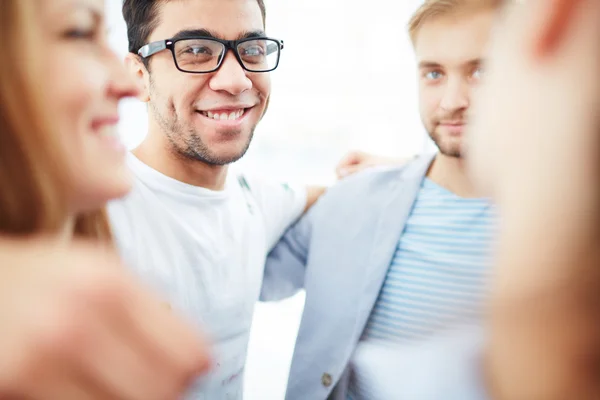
(33, 175)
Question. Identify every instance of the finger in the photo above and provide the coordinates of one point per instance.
(135, 338)
(121, 367)
(61, 382)
(77, 389)
(47, 367)
(348, 160)
(166, 340)
(93, 332)
(351, 170)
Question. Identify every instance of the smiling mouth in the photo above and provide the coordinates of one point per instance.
(453, 126)
(225, 115)
(452, 123)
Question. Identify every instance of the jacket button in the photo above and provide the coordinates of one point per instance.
(326, 380)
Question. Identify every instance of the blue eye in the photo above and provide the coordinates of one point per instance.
(478, 73)
(433, 75)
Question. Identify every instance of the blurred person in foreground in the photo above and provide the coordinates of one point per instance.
(535, 148)
(74, 324)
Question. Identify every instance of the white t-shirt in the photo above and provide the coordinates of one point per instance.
(205, 251)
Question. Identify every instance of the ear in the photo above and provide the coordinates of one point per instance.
(140, 74)
(266, 108)
(554, 20)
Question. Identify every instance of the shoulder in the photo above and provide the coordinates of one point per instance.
(378, 181)
(132, 199)
(131, 210)
(266, 190)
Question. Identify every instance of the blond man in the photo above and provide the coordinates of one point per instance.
(395, 260)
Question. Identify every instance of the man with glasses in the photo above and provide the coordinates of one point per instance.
(194, 232)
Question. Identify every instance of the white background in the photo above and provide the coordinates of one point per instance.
(347, 80)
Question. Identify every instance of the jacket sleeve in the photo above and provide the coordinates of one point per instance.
(286, 263)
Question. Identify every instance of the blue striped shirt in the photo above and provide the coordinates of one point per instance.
(436, 279)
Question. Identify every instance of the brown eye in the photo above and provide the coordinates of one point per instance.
(80, 34)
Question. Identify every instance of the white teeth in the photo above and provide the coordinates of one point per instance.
(224, 117)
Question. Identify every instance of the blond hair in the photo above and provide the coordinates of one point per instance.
(33, 175)
(431, 9)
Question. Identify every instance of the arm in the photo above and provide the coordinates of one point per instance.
(357, 161)
(351, 164)
(285, 266)
(313, 193)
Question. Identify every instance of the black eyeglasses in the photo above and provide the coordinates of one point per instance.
(201, 55)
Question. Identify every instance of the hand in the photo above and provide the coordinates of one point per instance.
(76, 326)
(357, 161)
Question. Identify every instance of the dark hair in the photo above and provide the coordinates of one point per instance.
(141, 17)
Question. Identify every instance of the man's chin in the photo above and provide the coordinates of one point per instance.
(221, 157)
(452, 153)
(221, 161)
(453, 147)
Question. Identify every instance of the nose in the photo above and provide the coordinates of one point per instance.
(456, 95)
(230, 77)
(121, 84)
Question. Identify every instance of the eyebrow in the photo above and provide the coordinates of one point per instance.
(434, 65)
(89, 7)
(429, 65)
(81, 6)
(191, 33)
(475, 62)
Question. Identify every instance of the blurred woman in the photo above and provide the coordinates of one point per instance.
(60, 91)
(74, 325)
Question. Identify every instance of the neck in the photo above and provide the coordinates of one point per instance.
(450, 173)
(155, 153)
